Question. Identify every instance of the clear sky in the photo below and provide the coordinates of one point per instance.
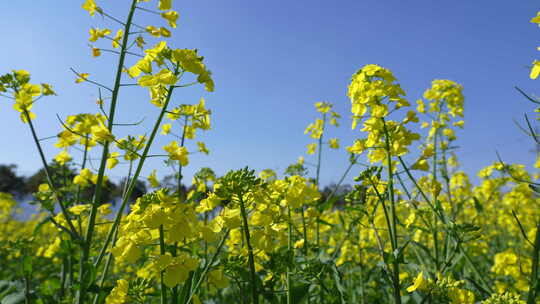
(271, 60)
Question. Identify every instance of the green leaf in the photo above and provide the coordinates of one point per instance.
(535, 188)
(337, 280)
(27, 265)
(299, 292)
(186, 289)
(321, 221)
(13, 298)
(39, 225)
(477, 205)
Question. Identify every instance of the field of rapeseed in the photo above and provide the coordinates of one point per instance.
(412, 229)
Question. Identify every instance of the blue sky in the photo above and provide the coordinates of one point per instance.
(271, 60)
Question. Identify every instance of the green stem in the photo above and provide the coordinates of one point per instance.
(83, 165)
(63, 277)
(435, 199)
(395, 281)
(27, 295)
(317, 175)
(134, 179)
(304, 231)
(245, 226)
(85, 254)
(290, 255)
(533, 285)
(386, 216)
(480, 276)
(317, 180)
(207, 266)
(443, 219)
(174, 295)
(73, 230)
(108, 262)
(162, 252)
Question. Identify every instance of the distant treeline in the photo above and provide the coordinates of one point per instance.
(23, 186)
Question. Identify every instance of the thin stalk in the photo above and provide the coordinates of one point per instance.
(163, 297)
(319, 153)
(85, 254)
(446, 178)
(254, 293)
(27, 295)
(386, 216)
(362, 283)
(444, 221)
(317, 177)
(207, 266)
(115, 236)
(108, 264)
(304, 231)
(317, 180)
(70, 270)
(174, 295)
(435, 199)
(341, 179)
(395, 281)
(290, 255)
(48, 175)
(480, 276)
(83, 165)
(533, 285)
(134, 179)
(63, 277)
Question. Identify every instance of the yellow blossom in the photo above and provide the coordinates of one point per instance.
(420, 283)
(63, 157)
(165, 5)
(152, 179)
(177, 153)
(82, 77)
(91, 7)
(117, 38)
(311, 148)
(171, 17)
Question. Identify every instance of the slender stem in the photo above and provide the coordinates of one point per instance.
(341, 179)
(317, 176)
(533, 285)
(385, 210)
(179, 196)
(115, 236)
(254, 294)
(27, 295)
(304, 231)
(72, 229)
(480, 276)
(319, 152)
(99, 184)
(361, 271)
(70, 269)
(446, 178)
(435, 199)
(290, 255)
(162, 252)
(422, 193)
(134, 179)
(442, 217)
(108, 263)
(83, 165)
(395, 273)
(207, 266)
(63, 277)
